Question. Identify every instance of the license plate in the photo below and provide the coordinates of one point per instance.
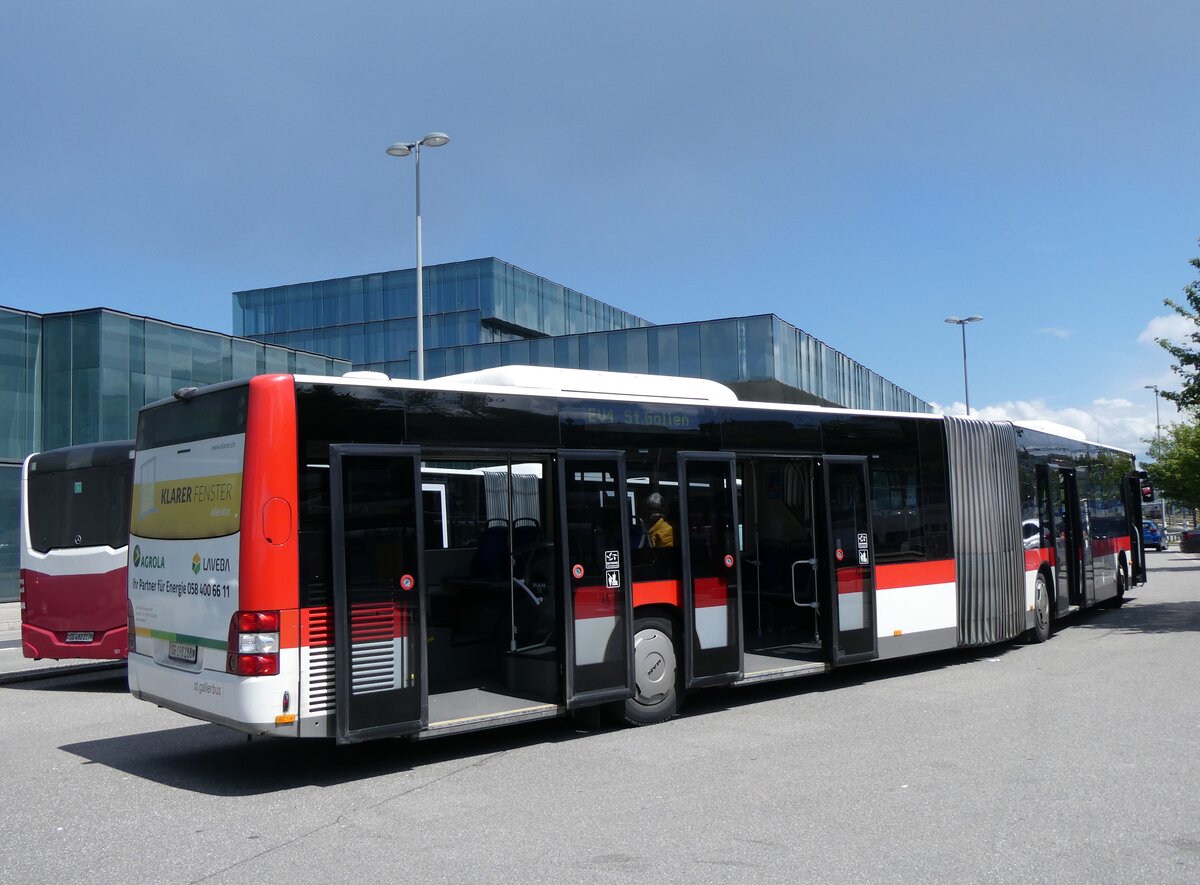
(180, 651)
(80, 637)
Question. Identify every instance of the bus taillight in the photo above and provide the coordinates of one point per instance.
(253, 644)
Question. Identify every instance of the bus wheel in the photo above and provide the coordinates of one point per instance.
(1041, 610)
(657, 691)
(1122, 585)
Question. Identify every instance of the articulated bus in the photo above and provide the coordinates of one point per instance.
(358, 557)
(74, 531)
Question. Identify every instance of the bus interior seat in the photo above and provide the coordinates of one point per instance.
(491, 559)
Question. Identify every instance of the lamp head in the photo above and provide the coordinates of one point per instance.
(400, 149)
(435, 139)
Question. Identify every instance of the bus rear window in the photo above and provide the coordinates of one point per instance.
(88, 507)
(203, 416)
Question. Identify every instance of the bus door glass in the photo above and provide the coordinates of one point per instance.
(1132, 487)
(1068, 542)
(708, 541)
(1083, 503)
(378, 591)
(852, 560)
(598, 614)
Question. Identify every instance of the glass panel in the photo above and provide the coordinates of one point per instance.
(853, 561)
(377, 598)
(116, 411)
(598, 574)
(10, 484)
(719, 350)
(85, 406)
(710, 550)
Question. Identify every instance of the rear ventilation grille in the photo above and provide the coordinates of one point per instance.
(316, 630)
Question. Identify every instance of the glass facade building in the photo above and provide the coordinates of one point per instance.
(762, 358)
(371, 319)
(485, 313)
(81, 376)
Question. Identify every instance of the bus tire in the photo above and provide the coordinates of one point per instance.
(1040, 631)
(1122, 585)
(658, 686)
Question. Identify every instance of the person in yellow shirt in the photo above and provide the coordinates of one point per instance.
(660, 531)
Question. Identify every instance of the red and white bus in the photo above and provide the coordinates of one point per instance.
(360, 557)
(74, 531)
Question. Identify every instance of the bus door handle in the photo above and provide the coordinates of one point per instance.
(812, 564)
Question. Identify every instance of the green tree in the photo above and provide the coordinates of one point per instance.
(1175, 471)
(1187, 358)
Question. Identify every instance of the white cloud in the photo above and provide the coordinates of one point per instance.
(1114, 422)
(1056, 333)
(1172, 327)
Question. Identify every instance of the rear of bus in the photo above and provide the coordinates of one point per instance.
(213, 574)
(74, 528)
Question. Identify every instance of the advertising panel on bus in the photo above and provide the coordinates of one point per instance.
(183, 564)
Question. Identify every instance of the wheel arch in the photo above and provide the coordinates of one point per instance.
(1047, 573)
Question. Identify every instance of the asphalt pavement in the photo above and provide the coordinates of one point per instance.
(1071, 761)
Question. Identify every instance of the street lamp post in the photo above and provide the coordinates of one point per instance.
(962, 324)
(1157, 422)
(403, 149)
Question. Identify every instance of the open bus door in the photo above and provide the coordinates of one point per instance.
(598, 611)
(1133, 517)
(708, 538)
(852, 560)
(378, 591)
(1068, 539)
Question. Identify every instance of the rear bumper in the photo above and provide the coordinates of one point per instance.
(106, 645)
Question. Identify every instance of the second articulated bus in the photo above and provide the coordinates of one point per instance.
(354, 558)
(74, 531)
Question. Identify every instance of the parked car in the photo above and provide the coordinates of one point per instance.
(1153, 536)
(1189, 541)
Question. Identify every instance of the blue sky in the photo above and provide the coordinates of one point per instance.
(864, 170)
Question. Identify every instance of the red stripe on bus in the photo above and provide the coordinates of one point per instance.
(851, 579)
(1109, 546)
(377, 621)
(1035, 558)
(658, 593)
(914, 574)
(595, 601)
(710, 592)
(316, 626)
(369, 622)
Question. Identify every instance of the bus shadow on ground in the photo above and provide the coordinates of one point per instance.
(713, 700)
(1141, 614)
(213, 760)
(111, 680)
